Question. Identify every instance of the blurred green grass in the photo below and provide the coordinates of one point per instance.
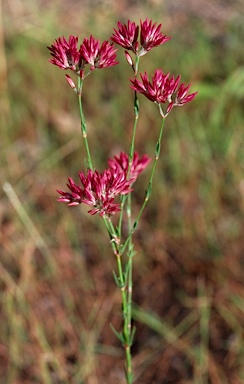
(57, 290)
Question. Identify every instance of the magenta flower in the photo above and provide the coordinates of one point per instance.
(65, 54)
(121, 163)
(150, 36)
(163, 89)
(97, 190)
(98, 56)
(126, 36)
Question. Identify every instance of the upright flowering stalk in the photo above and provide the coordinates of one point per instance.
(138, 39)
(66, 55)
(109, 192)
(167, 90)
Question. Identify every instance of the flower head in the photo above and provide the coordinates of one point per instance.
(150, 36)
(126, 36)
(98, 56)
(163, 89)
(64, 53)
(99, 190)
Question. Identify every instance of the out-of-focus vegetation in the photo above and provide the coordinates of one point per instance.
(57, 293)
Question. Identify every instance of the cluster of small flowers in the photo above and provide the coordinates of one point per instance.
(150, 36)
(163, 89)
(99, 190)
(66, 55)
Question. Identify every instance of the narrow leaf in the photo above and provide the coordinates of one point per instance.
(119, 335)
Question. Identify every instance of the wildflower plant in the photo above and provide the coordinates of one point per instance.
(109, 193)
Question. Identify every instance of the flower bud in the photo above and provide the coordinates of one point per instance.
(128, 58)
(70, 82)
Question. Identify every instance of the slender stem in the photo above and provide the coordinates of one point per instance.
(129, 281)
(129, 285)
(122, 281)
(131, 155)
(128, 333)
(83, 123)
(157, 153)
(136, 117)
(149, 189)
(132, 145)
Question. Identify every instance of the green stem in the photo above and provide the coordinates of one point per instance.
(149, 189)
(129, 293)
(129, 374)
(136, 117)
(122, 281)
(157, 153)
(132, 146)
(83, 123)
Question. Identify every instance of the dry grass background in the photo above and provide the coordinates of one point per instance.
(57, 292)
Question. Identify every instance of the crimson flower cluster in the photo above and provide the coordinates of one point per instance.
(150, 36)
(99, 190)
(163, 89)
(66, 54)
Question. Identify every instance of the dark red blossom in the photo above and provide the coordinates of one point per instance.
(150, 36)
(163, 89)
(126, 36)
(98, 56)
(66, 55)
(99, 190)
